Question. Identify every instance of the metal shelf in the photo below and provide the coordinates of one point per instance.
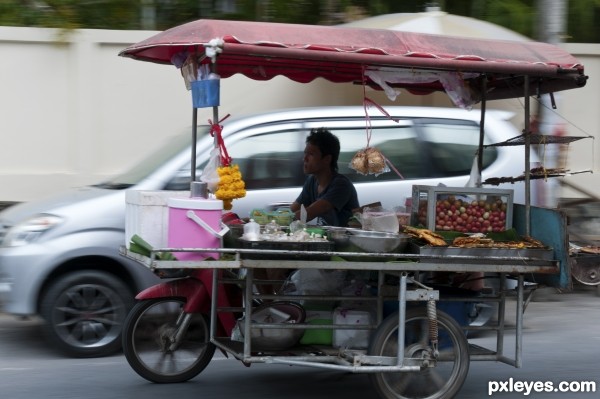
(537, 139)
(495, 181)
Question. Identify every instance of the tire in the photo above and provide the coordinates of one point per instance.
(84, 313)
(442, 381)
(145, 336)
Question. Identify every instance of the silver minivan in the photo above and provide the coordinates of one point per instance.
(59, 256)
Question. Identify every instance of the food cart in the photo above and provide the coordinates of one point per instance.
(409, 351)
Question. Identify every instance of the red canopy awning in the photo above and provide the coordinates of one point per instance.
(262, 50)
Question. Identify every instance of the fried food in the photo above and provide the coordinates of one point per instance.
(360, 163)
(532, 242)
(471, 241)
(426, 235)
(483, 242)
(368, 161)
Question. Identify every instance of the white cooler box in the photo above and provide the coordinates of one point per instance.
(147, 215)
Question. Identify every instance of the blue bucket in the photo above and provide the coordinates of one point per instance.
(206, 93)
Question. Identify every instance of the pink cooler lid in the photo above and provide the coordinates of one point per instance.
(196, 203)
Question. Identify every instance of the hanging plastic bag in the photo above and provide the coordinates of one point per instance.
(369, 160)
(475, 176)
(380, 219)
(210, 174)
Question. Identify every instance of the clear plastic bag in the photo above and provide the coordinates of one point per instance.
(380, 219)
(475, 176)
(369, 161)
(315, 282)
(210, 174)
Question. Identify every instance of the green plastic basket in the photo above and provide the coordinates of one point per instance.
(260, 216)
(282, 217)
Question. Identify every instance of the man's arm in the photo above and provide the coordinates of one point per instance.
(295, 206)
(317, 208)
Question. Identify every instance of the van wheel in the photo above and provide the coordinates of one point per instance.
(84, 313)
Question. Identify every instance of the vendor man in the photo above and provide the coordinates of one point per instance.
(327, 195)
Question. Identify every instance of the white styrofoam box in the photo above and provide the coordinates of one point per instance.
(147, 215)
(354, 339)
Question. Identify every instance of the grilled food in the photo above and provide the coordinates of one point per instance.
(426, 235)
(483, 242)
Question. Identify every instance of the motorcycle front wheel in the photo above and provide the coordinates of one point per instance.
(152, 349)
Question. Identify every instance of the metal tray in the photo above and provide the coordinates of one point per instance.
(536, 253)
(323, 246)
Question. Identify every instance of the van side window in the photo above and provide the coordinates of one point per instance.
(452, 146)
(271, 160)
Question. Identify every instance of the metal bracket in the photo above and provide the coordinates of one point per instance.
(422, 295)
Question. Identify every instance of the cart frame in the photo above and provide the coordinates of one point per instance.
(401, 265)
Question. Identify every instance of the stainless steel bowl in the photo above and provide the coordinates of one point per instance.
(357, 240)
(277, 338)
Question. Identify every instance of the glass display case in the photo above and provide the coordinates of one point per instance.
(461, 209)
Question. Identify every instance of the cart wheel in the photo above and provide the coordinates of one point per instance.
(147, 337)
(444, 379)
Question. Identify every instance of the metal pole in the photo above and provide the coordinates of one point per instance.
(501, 317)
(213, 305)
(401, 319)
(248, 312)
(519, 332)
(213, 69)
(194, 140)
(481, 130)
(527, 134)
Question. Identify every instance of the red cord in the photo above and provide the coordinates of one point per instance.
(216, 131)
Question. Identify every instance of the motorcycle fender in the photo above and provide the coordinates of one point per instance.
(195, 293)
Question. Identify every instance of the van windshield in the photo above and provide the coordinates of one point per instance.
(152, 162)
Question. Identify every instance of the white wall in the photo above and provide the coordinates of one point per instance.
(72, 112)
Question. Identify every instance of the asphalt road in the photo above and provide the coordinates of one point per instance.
(561, 343)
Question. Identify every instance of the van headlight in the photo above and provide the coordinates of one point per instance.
(29, 230)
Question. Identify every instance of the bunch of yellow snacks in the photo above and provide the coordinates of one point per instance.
(231, 185)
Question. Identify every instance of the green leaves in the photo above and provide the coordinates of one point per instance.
(583, 16)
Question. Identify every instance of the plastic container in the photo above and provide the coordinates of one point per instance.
(206, 93)
(282, 216)
(251, 231)
(147, 215)
(260, 216)
(314, 336)
(354, 339)
(195, 223)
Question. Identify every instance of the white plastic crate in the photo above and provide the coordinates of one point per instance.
(147, 215)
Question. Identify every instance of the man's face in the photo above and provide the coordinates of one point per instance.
(314, 162)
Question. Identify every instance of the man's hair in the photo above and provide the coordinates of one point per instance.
(327, 143)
